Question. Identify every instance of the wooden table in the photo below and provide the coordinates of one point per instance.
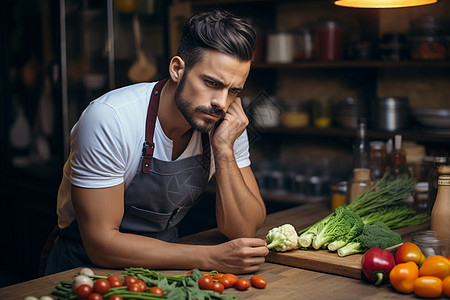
(283, 282)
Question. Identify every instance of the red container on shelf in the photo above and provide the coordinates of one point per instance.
(330, 40)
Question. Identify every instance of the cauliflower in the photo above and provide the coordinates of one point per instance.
(282, 238)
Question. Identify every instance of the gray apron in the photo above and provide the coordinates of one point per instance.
(159, 196)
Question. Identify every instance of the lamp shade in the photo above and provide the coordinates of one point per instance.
(383, 3)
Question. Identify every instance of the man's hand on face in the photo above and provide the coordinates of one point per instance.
(231, 127)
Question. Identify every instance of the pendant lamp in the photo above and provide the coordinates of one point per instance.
(382, 3)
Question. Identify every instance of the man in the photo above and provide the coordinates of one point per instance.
(141, 155)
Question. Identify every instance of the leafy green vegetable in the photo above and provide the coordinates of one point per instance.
(282, 238)
(389, 191)
(343, 226)
(376, 235)
(396, 217)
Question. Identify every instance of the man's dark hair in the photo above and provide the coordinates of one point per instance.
(216, 30)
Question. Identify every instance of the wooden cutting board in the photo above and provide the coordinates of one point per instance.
(329, 262)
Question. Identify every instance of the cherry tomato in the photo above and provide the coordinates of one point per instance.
(205, 283)
(428, 287)
(218, 287)
(83, 291)
(218, 276)
(436, 265)
(142, 285)
(115, 297)
(446, 286)
(242, 284)
(258, 282)
(95, 296)
(129, 280)
(114, 281)
(156, 290)
(101, 286)
(134, 287)
(230, 277)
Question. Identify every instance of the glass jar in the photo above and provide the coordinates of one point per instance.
(420, 204)
(378, 159)
(295, 116)
(427, 39)
(429, 244)
(330, 40)
(338, 194)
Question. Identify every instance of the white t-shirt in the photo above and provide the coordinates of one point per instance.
(106, 145)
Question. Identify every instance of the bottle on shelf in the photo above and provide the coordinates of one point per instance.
(360, 179)
(378, 159)
(397, 159)
(433, 176)
(440, 215)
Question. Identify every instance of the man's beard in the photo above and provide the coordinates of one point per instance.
(185, 106)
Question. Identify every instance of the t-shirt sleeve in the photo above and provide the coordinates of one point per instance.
(98, 152)
(241, 150)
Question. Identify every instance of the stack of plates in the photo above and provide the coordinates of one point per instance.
(435, 118)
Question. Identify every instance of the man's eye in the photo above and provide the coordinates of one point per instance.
(234, 91)
(211, 83)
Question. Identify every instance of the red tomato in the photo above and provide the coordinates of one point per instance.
(101, 286)
(115, 297)
(129, 280)
(218, 276)
(134, 287)
(95, 296)
(226, 283)
(230, 277)
(205, 283)
(242, 284)
(142, 285)
(115, 281)
(218, 287)
(83, 291)
(156, 290)
(258, 282)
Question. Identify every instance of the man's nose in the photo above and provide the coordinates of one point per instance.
(219, 99)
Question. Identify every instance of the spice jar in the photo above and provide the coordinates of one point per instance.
(330, 40)
(433, 176)
(359, 183)
(338, 194)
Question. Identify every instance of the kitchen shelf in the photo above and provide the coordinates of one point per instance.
(352, 64)
(416, 134)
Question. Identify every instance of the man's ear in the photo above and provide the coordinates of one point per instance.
(176, 68)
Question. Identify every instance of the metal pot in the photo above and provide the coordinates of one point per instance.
(391, 114)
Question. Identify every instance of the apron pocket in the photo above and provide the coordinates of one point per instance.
(138, 220)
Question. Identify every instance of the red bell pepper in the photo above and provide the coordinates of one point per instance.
(376, 265)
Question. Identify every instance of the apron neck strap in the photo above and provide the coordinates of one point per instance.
(152, 113)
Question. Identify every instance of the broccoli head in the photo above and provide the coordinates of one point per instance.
(377, 235)
(282, 238)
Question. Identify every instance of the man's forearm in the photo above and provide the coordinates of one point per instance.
(240, 210)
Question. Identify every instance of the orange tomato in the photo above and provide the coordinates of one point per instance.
(428, 287)
(446, 286)
(409, 252)
(436, 265)
(403, 275)
(217, 276)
